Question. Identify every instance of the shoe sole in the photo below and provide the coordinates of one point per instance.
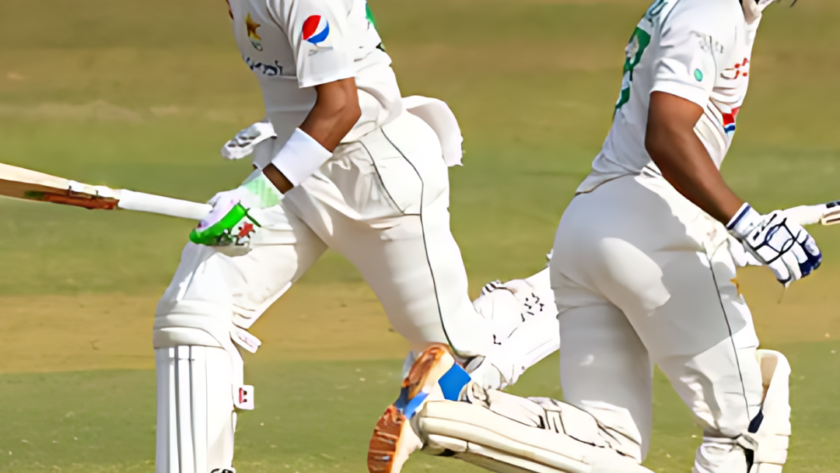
(388, 449)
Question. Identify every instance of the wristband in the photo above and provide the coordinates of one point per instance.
(744, 222)
(263, 189)
(300, 157)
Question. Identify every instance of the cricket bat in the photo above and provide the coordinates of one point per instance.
(20, 183)
(832, 214)
(824, 214)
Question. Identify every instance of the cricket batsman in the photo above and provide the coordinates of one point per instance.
(643, 271)
(350, 166)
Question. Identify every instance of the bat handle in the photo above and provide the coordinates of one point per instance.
(141, 202)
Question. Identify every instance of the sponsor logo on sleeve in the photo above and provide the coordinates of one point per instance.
(316, 30)
(729, 121)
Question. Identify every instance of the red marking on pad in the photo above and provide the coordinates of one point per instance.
(246, 230)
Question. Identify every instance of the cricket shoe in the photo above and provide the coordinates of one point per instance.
(435, 376)
(523, 319)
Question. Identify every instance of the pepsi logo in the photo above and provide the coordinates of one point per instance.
(316, 29)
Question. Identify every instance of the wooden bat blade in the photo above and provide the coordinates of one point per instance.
(23, 183)
(26, 184)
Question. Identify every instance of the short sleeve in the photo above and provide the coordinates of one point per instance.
(686, 62)
(318, 33)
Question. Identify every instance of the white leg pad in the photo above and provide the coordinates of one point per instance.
(769, 436)
(508, 434)
(196, 418)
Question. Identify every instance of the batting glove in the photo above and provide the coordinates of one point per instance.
(778, 242)
(231, 222)
(244, 142)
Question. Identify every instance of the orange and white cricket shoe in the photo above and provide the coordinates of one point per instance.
(434, 376)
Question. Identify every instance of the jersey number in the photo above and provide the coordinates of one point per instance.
(639, 42)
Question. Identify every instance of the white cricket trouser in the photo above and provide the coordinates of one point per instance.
(382, 202)
(641, 277)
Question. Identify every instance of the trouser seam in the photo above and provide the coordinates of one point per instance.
(379, 175)
(425, 244)
(731, 337)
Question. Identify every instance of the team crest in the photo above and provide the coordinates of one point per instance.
(251, 26)
(316, 30)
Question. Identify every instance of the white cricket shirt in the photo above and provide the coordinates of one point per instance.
(293, 45)
(699, 50)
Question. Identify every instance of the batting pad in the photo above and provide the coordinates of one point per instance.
(195, 410)
(769, 435)
(478, 435)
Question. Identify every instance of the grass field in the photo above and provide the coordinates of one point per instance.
(142, 94)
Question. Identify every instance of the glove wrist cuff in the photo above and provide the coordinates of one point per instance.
(744, 222)
(263, 189)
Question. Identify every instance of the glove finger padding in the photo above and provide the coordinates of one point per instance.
(812, 258)
(244, 142)
(777, 241)
(791, 261)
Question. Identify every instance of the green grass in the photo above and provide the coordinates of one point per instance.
(317, 417)
(142, 94)
(100, 95)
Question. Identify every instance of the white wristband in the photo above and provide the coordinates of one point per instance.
(744, 222)
(300, 157)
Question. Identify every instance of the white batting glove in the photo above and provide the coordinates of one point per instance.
(232, 221)
(778, 242)
(244, 142)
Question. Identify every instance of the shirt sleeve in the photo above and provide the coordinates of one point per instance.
(687, 58)
(319, 35)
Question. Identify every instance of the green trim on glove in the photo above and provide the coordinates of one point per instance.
(222, 232)
(263, 189)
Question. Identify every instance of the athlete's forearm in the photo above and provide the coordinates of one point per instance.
(335, 113)
(683, 160)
